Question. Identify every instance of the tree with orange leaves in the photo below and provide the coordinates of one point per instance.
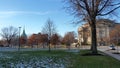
(32, 40)
(115, 35)
(23, 41)
(69, 38)
(43, 39)
(55, 40)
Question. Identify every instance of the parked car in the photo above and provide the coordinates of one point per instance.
(112, 47)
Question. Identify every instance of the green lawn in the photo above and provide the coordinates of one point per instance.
(61, 58)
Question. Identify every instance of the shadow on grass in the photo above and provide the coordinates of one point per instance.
(89, 53)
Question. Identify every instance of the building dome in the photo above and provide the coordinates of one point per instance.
(24, 34)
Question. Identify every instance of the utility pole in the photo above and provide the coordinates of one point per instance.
(19, 38)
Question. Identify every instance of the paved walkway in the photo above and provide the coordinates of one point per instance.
(106, 50)
(109, 52)
(116, 56)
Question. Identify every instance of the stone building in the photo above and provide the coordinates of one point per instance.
(103, 28)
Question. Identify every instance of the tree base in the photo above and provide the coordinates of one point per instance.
(91, 54)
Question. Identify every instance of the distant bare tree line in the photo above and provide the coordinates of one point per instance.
(47, 38)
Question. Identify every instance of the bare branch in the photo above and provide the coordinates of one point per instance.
(103, 6)
(114, 4)
(109, 11)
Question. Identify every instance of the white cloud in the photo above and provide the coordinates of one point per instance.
(24, 12)
(37, 13)
(6, 14)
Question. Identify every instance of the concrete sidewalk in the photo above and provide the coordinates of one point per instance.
(109, 52)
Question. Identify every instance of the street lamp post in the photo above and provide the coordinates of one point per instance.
(19, 38)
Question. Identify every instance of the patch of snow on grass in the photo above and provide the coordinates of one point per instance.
(5, 56)
(39, 62)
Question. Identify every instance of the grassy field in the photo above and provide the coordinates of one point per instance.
(55, 59)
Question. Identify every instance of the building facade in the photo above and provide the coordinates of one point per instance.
(103, 28)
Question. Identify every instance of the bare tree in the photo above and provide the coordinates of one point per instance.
(9, 33)
(49, 29)
(90, 10)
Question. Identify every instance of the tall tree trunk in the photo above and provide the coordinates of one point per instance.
(94, 39)
(49, 46)
(9, 42)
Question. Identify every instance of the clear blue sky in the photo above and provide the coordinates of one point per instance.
(33, 15)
